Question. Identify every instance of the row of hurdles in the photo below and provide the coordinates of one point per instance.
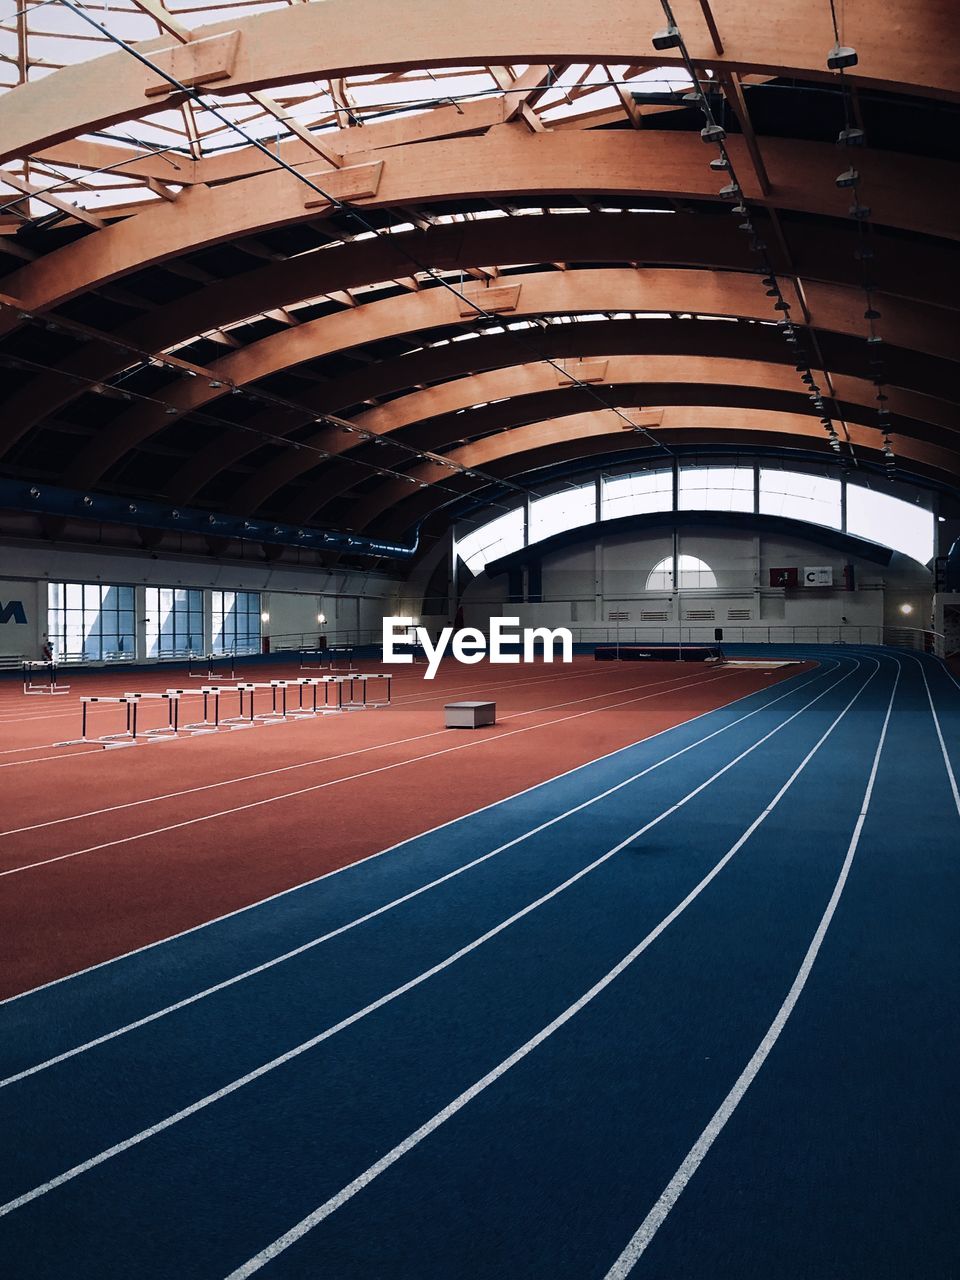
(292, 699)
(43, 675)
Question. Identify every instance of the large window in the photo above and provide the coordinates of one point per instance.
(174, 621)
(636, 494)
(567, 509)
(890, 521)
(716, 489)
(795, 495)
(236, 621)
(692, 574)
(799, 496)
(498, 537)
(91, 622)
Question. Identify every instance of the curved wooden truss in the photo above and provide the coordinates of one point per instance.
(495, 241)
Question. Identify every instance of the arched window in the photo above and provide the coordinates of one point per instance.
(691, 572)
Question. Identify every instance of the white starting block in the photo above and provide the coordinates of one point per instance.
(469, 715)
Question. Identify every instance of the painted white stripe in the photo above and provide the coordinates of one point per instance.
(641, 1239)
(300, 1229)
(61, 755)
(676, 683)
(283, 893)
(372, 915)
(267, 1067)
(495, 739)
(943, 745)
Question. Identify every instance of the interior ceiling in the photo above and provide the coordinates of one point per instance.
(477, 243)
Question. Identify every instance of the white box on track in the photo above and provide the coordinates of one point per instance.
(469, 715)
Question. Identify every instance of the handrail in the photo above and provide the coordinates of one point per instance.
(919, 639)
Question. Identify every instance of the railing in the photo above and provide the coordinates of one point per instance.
(80, 657)
(748, 633)
(328, 638)
(916, 638)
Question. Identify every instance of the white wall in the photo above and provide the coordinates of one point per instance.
(292, 597)
(583, 585)
(22, 639)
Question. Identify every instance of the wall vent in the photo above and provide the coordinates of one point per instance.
(653, 615)
(618, 615)
(699, 615)
(738, 615)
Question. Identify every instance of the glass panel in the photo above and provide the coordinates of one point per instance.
(799, 496)
(498, 537)
(693, 574)
(660, 577)
(636, 494)
(568, 509)
(716, 489)
(882, 518)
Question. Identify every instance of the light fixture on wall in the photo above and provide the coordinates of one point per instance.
(906, 608)
(321, 618)
(264, 617)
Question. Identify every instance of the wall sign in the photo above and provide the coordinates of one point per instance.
(13, 611)
(818, 575)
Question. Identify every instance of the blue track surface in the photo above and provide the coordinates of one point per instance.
(501, 1075)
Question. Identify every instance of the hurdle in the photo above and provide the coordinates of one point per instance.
(342, 653)
(209, 663)
(363, 680)
(164, 732)
(31, 668)
(121, 738)
(211, 695)
(312, 660)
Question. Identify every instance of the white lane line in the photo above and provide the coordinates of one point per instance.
(675, 683)
(371, 915)
(61, 755)
(335, 782)
(14, 751)
(400, 844)
(943, 745)
(396, 1153)
(265, 1068)
(639, 1242)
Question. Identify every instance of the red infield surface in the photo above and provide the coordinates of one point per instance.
(104, 850)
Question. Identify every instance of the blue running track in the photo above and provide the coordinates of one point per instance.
(690, 1011)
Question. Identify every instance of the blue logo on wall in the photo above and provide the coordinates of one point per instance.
(13, 612)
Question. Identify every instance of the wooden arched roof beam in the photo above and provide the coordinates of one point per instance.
(437, 412)
(541, 443)
(701, 292)
(345, 37)
(601, 339)
(328, 494)
(906, 192)
(820, 251)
